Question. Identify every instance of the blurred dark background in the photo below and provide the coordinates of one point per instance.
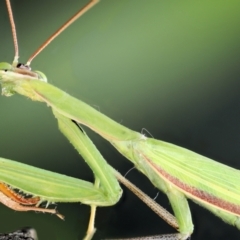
(171, 67)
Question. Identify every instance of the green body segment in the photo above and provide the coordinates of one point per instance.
(62, 188)
(197, 175)
(66, 105)
(178, 172)
(175, 169)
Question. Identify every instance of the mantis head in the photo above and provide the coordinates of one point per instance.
(11, 75)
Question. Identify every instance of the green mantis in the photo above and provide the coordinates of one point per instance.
(131, 139)
(47, 186)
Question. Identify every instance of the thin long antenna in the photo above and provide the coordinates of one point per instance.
(62, 28)
(14, 33)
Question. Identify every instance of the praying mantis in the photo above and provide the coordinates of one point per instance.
(100, 109)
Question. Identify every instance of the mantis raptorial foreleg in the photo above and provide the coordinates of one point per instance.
(86, 148)
(61, 188)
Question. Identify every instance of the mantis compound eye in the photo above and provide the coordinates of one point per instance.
(5, 66)
(41, 76)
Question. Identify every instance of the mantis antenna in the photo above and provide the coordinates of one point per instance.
(14, 32)
(51, 38)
